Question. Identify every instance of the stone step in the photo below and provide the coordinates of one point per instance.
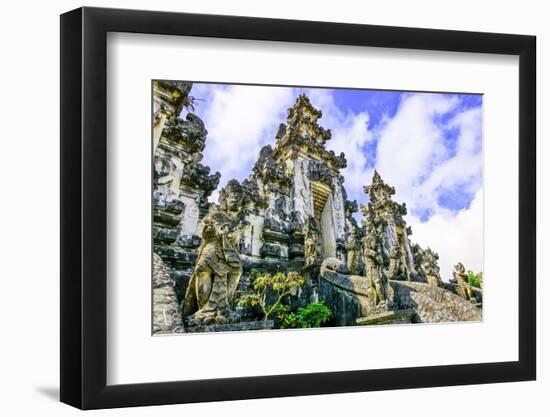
(232, 327)
(387, 317)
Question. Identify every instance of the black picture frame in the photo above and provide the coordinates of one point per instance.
(84, 207)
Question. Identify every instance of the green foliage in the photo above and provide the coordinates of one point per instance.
(474, 279)
(313, 315)
(289, 321)
(268, 292)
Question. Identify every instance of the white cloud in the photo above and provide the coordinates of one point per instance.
(455, 237)
(350, 133)
(410, 144)
(240, 120)
(412, 156)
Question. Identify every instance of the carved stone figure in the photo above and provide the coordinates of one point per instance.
(296, 222)
(280, 209)
(381, 293)
(275, 218)
(464, 289)
(353, 254)
(398, 265)
(312, 242)
(218, 268)
(427, 265)
(395, 262)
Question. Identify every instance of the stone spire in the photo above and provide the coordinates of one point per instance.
(384, 217)
(302, 133)
(379, 192)
(302, 120)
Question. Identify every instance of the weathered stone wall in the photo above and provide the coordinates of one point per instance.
(348, 297)
(166, 311)
(434, 304)
(346, 306)
(478, 293)
(181, 183)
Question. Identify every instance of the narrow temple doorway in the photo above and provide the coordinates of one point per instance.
(322, 206)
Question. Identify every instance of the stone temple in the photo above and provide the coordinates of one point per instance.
(291, 214)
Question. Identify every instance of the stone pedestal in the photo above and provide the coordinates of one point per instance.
(232, 327)
(387, 317)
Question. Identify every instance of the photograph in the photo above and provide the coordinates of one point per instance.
(299, 207)
(267, 206)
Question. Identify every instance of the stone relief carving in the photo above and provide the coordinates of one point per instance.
(190, 132)
(312, 242)
(319, 171)
(276, 218)
(296, 221)
(270, 171)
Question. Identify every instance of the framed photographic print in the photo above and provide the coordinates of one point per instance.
(258, 208)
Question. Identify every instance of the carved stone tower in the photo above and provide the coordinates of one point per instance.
(181, 184)
(294, 198)
(384, 217)
(317, 187)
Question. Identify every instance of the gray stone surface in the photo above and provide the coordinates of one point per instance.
(388, 317)
(166, 312)
(348, 297)
(242, 326)
(434, 304)
(181, 183)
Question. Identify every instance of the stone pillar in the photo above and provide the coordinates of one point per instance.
(327, 231)
(159, 120)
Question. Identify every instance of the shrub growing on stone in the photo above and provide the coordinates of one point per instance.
(269, 291)
(313, 315)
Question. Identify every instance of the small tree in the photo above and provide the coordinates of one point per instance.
(268, 292)
(474, 279)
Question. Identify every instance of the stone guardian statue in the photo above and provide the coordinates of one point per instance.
(218, 269)
(464, 289)
(381, 292)
(353, 254)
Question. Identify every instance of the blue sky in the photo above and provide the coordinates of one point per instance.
(427, 145)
